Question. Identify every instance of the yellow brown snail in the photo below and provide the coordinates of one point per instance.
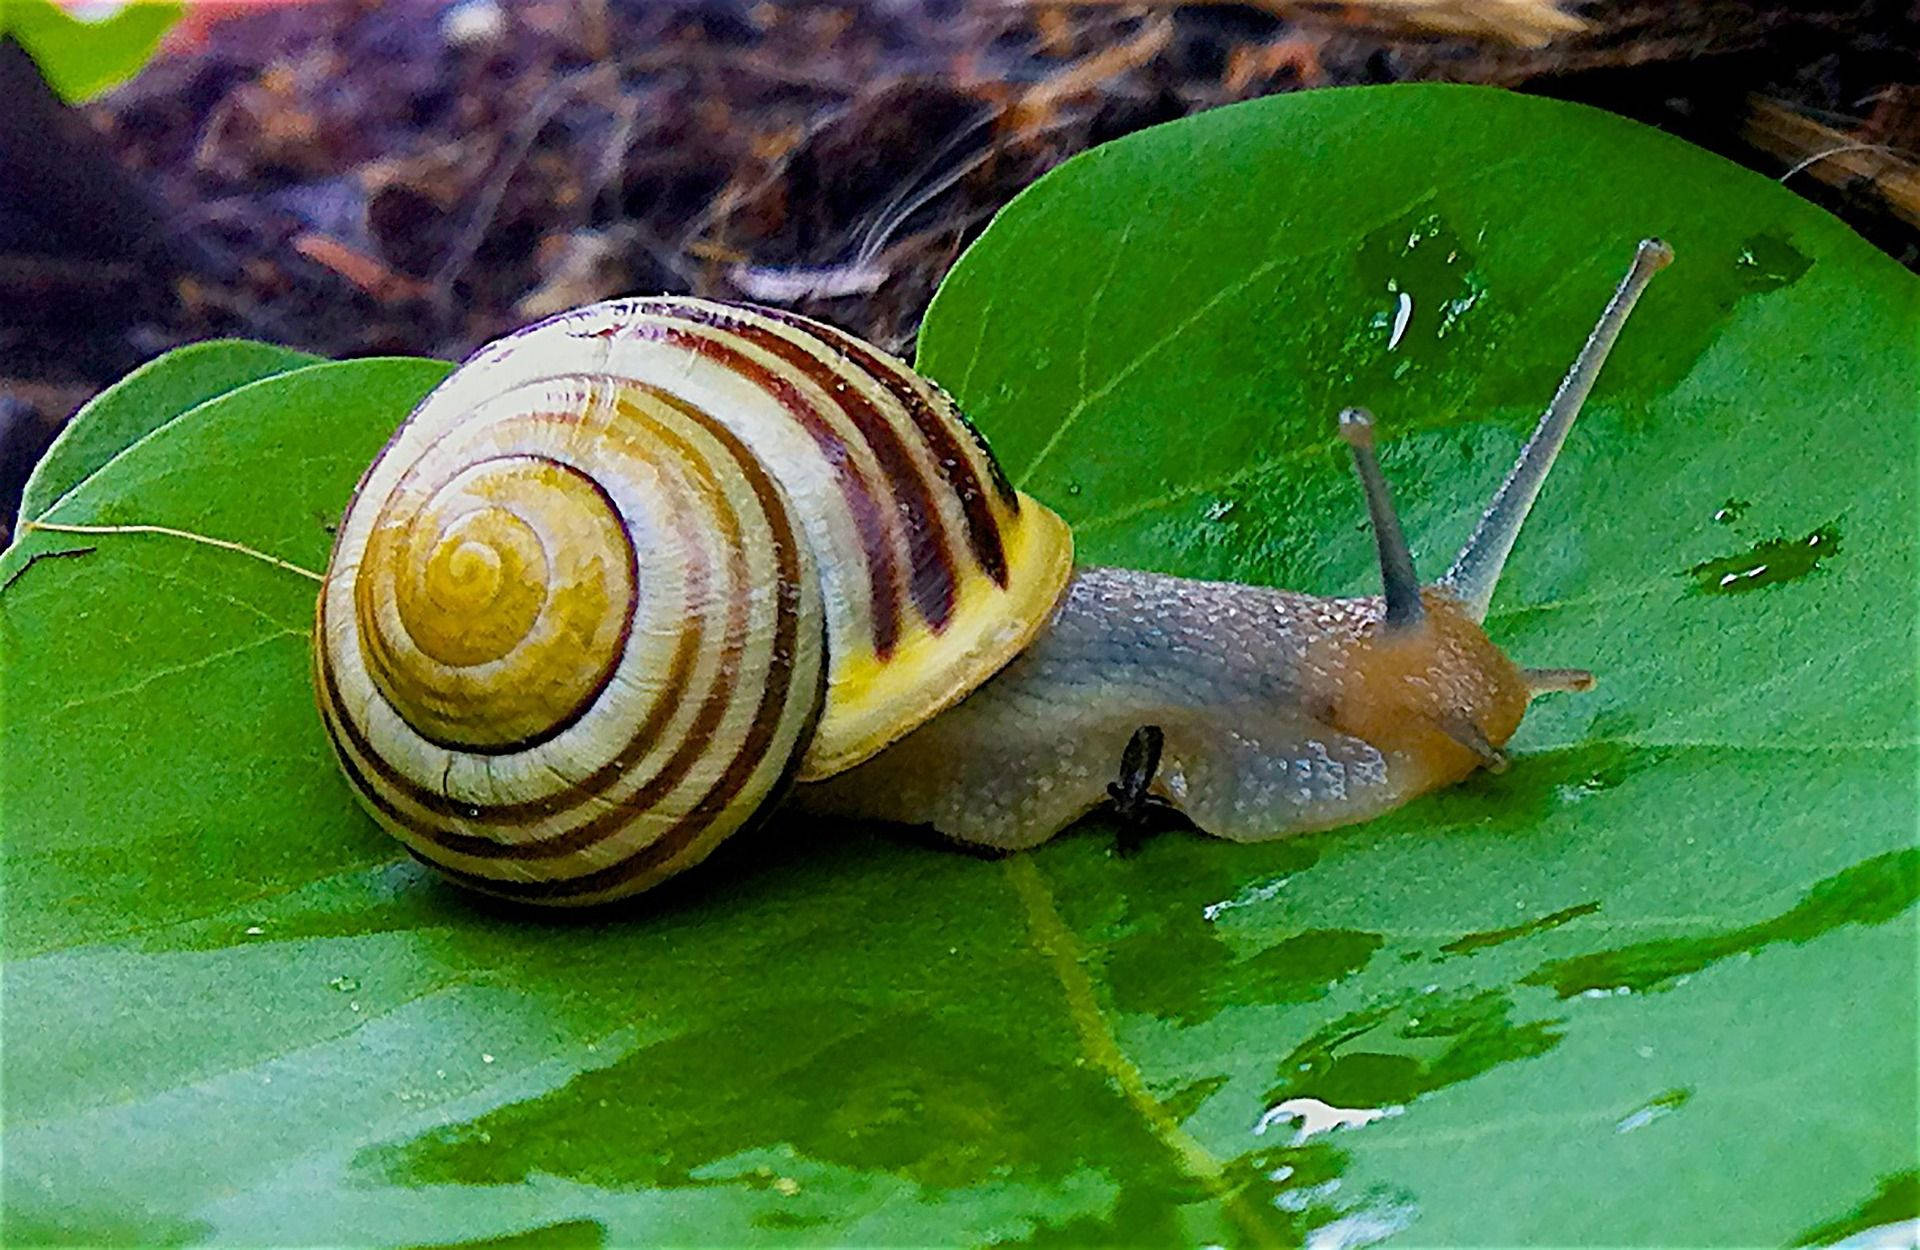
(634, 574)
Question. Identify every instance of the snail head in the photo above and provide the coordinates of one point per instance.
(1422, 680)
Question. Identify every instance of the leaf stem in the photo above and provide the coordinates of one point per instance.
(189, 535)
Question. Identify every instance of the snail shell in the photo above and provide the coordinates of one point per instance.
(628, 573)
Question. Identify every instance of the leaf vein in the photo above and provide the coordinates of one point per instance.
(175, 670)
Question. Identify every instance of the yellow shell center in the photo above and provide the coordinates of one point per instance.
(481, 589)
(469, 577)
(495, 606)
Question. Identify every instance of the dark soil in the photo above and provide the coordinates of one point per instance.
(416, 176)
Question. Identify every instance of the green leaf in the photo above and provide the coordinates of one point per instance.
(143, 401)
(1590, 1000)
(81, 59)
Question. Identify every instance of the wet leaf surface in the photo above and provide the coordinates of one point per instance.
(234, 1011)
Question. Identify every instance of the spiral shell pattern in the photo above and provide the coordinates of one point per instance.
(628, 573)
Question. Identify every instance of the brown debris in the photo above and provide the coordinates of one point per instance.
(353, 176)
(1091, 73)
(1517, 23)
(359, 268)
(1876, 160)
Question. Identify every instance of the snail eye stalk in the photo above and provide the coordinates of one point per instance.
(1477, 571)
(1397, 578)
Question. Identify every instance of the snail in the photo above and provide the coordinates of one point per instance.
(634, 575)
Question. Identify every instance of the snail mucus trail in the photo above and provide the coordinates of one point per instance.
(633, 575)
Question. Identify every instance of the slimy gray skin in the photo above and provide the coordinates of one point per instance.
(1281, 712)
(1228, 672)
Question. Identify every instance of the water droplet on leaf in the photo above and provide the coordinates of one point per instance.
(1767, 262)
(1655, 1109)
(1766, 564)
(1313, 1117)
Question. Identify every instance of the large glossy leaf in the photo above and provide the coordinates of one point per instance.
(1655, 983)
(141, 403)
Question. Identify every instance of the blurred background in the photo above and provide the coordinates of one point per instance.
(416, 176)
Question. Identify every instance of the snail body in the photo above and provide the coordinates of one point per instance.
(631, 576)
(1280, 713)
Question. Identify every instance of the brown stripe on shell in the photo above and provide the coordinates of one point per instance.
(378, 642)
(661, 851)
(697, 737)
(686, 652)
(371, 637)
(1002, 484)
(983, 532)
(335, 722)
(862, 501)
(932, 578)
(679, 676)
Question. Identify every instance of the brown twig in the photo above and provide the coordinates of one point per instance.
(168, 531)
(1520, 23)
(1089, 72)
(493, 190)
(1836, 157)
